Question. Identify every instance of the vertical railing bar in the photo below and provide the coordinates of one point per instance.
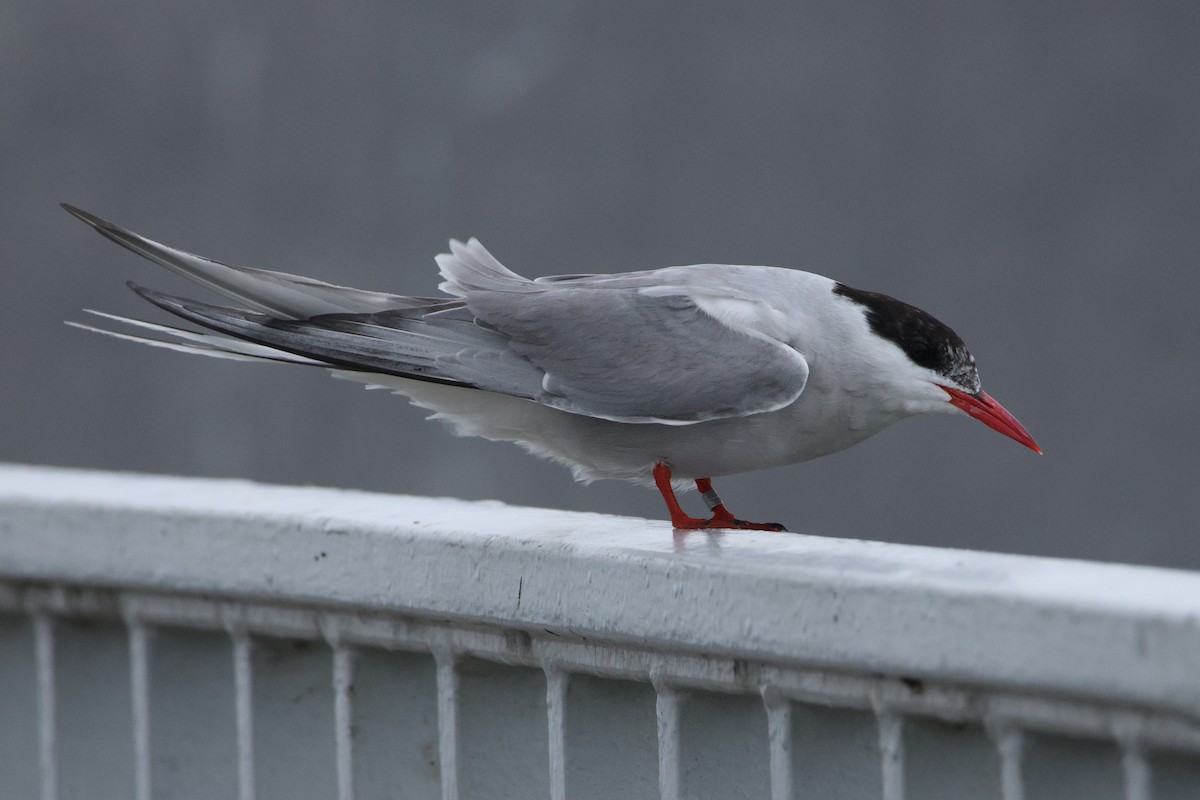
(667, 707)
(1127, 730)
(343, 718)
(779, 737)
(244, 706)
(557, 682)
(448, 718)
(1136, 771)
(47, 705)
(1010, 746)
(891, 753)
(139, 686)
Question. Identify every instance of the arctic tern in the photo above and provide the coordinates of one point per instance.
(668, 376)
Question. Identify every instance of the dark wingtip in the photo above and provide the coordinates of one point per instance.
(80, 214)
(114, 233)
(102, 226)
(163, 301)
(180, 306)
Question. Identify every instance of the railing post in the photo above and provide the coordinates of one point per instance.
(779, 734)
(343, 712)
(669, 764)
(891, 753)
(139, 673)
(448, 720)
(243, 681)
(1010, 746)
(557, 682)
(47, 704)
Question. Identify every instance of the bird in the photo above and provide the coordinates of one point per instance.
(667, 377)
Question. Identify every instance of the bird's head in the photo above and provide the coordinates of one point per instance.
(933, 369)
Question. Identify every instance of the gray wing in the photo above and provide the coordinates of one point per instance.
(625, 348)
(639, 355)
(440, 343)
(632, 347)
(618, 355)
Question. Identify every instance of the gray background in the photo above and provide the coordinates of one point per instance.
(1026, 172)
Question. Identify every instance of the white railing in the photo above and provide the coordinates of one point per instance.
(164, 637)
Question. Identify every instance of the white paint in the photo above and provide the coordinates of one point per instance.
(1017, 645)
(885, 608)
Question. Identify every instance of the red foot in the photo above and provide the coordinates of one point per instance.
(721, 517)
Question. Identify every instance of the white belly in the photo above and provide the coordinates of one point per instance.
(817, 424)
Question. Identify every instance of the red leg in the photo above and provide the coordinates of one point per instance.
(709, 495)
(721, 517)
(662, 479)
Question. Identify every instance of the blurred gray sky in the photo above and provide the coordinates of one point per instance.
(1027, 172)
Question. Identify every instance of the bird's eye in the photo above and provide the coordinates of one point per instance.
(919, 350)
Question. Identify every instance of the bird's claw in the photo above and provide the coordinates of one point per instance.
(723, 519)
(741, 524)
(728, 523)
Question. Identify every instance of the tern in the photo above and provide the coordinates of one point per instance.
(667, 377)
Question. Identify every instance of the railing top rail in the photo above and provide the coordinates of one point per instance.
(1125, 633)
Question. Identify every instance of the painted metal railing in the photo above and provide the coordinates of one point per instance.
(164, 637)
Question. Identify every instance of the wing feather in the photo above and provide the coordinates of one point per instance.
(646, 347)
(642, 356)
(276, 293)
